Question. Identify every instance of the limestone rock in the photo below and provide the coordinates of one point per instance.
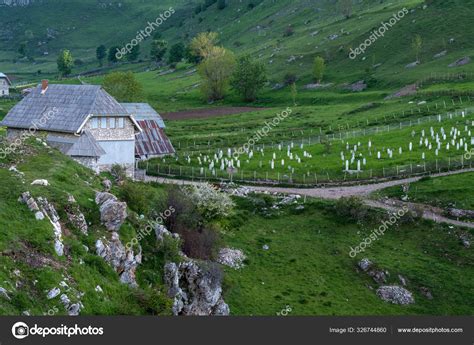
(107, 184)
(461, 62)
(122, 260)
(195, 290)
(40, 182)
(112, 212)
(53, 293)
(75, 216)
(231, 257)
(395, 294)
(365, 264)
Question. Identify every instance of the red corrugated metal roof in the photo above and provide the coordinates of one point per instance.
(152, 140)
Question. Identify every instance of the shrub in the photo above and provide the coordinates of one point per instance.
(210, 202)
(351, 209)
(118, 172)
(200, 244)
(170, 248)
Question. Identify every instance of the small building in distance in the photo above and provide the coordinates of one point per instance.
(5, 84)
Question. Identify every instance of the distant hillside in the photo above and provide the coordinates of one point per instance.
(285, 35)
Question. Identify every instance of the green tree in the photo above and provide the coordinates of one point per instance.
(248, 78)
(216, 71)
(202, 45)
(101, 53)
(158, 50)
(65, 62)
(112, 56)
(319, 67)
(134, 53)
(190, 56)
(176, 53)
(123, 86)
(416, 44)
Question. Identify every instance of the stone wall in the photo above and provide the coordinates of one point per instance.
(102, 134)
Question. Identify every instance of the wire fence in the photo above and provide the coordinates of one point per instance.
(318, 139)
(319, 177)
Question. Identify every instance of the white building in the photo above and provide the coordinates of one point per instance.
(5, 84)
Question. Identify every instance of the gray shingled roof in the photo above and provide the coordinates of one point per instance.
(83, 146)
(143, 111)
(73, 103)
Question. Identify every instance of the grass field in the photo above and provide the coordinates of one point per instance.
(307, 266)
(360, 153)
(449, 191)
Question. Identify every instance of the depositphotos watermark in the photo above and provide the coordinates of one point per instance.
(380, 231)
(376, 34)
(145, 33)
(28, 133)
(21, 330)
(468, 155)
(263, 132)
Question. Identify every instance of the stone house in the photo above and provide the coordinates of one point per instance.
(5, 84)
(83, 121)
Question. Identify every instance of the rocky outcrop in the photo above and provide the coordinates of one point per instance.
(395, 294)
(233, 258)
(194, 289)
(75, 216)
(357, 86)
(107, 184)
(112, 212)
(42, 209)
(408, 90)
(461, 62)
(122, 260)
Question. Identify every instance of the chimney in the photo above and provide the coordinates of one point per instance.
(44, 86)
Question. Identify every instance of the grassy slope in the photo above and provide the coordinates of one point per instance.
(25, 236)
(453, 191)
(308, 267)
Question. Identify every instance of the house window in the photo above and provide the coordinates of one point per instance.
(103, 122)
(94, 122)
(112, 122)
(121, 123)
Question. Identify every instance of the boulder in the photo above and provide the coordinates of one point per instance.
(457, 213)
(357, 86)
(395, 294)
(441, 54)
(461, 62)
(53, 293)
(231, 257)
(107, 184)
(112, 212)
(365, 264)
(75, 216)
(161, 231)
(40, 182)
(194, 289)
(413, 64)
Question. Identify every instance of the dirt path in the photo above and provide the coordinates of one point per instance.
(362, 191)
